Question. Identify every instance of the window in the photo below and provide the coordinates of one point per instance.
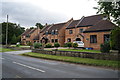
(56, 32)
(70, 31)
(46, 32)
(52, 40)
(56, 40)
(69, 40)
(93, 38)
(81, 30)
(28, 36)
(53, 32)
(106, 37)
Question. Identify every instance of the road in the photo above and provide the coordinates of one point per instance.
(16, 66)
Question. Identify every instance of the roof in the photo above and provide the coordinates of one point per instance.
(28, 31)
(56, 27)
(103, 25)
(73, 24)
(90, 20)
(45, 28)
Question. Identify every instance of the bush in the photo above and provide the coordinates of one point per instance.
(29, 44)
(105, 48)
(115, 39)
(65, 45)
(48, 45)
(17, 45)
(37, 45)
(56, 45)
(69, 44)
(75, 45)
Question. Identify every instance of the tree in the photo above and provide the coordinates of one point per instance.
(39, 25)
(13, 28)
(111, 9)
(14, 39)
(115, 39)
(105, 48)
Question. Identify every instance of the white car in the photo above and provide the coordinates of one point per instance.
(80, 43)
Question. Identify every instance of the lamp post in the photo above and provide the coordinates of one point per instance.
(7, 31)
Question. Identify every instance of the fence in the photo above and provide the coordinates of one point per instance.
(101, 56)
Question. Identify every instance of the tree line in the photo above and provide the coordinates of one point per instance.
(14, 32)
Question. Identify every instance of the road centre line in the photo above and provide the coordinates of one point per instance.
(29, 67)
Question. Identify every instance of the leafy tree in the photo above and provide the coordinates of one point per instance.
(105, 48)
(13, 28)
(111, 9)
(39, 25)
(31, 27)
(115, 39)
(14, 39)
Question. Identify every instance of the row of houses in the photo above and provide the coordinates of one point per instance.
(92, 30)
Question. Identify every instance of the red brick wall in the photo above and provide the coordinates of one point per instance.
(100, 39)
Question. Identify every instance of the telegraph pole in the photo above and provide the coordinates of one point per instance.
(7, 31)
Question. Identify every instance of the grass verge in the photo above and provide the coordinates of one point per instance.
(81, 50)
(85, 61)
(6, 50)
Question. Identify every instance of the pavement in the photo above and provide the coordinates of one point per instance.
(16, 66)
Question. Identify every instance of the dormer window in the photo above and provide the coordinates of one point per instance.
(53, 32)
(46, 32)
(28, 36)
(56, 31)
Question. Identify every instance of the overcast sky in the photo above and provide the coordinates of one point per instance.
(29, 12)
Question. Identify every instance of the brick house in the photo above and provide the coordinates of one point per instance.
(74, 31)
(82, 29)
(54, 33)
(30, 35)
(98, 34)
(92, 30)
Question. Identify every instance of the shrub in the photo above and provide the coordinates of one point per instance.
(29, 44)
(65, 45)
(37, 45)
(69, 44)
(17, 45)
(56, 45)
(48, 45)
(115, 39)
(75, 45)
(105, 48)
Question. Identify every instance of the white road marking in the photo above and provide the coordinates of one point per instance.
(29, 67)
(2, 58)
(17, 76)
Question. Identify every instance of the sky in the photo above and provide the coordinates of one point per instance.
(29, 12)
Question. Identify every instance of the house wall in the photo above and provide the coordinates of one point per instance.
(76, 34)
(25, 39)
(100, 39)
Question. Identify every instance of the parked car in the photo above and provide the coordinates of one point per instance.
(80, 43)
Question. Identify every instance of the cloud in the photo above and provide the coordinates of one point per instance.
(27, 14)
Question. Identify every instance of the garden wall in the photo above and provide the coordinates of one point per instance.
(101, 56)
